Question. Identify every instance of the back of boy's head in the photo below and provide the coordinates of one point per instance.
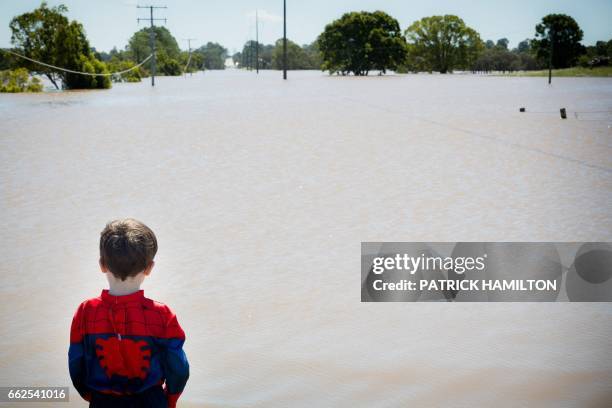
(127, 247)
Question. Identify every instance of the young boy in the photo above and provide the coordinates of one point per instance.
(127, 350)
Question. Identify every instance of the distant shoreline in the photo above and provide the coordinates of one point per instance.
(567, 72)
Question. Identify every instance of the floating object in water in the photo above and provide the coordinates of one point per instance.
(521, 109)
(563, 113)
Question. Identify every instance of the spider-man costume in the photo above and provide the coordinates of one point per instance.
(127, 348)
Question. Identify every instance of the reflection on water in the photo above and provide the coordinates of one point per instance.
(260, 192)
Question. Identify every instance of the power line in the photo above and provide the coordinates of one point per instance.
(189, 47)
(79, 72)
(152, 37)
(487, 136)
(187, 65)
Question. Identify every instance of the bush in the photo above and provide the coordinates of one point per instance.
(89, 64)
(115, 65)
(584, 61)
(19, 80)
(171, 67)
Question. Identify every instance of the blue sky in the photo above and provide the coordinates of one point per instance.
(110, 23)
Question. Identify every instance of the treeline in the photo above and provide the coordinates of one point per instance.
(170, 59)
(271, 56)
(47, 35)
(497, 57)
(360, 42)
(357, 43)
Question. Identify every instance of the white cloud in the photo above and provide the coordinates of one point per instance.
(264, 16)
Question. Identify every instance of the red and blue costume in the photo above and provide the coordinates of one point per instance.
(127, 348)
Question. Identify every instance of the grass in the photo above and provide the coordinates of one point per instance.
(568, 72)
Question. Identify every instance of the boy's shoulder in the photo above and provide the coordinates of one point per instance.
(92, 314)
(103, 301)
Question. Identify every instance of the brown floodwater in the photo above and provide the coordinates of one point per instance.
(260, 192)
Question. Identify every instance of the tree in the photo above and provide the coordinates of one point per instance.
(524, 46)
(502, 43)
(194, 63)
(443, 43)
(9, 61)
(565, 34)
(248, 54)
(214, 55)
(271, 56)
(528, 62)
(237, 58)
(18, 80)
(313, 53)
(297, 58)
(116, 65)
(601, 48)
(360, 42)
(168, 53)
(266, 55)
(497, 59)
(46, 35)
(597, 55)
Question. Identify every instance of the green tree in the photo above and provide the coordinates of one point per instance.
(296, 56)
(565, 34)
(528, 62)
(313, 53)
(237, 58)
(116, 65)
(18, 80)
(167, 51)
(46, 35)
(524, 46)
(8, 61)
(601, 48)
(502, 43)
(214, 55)
(360, 42)
(497, 59)
(249, 53)
(266, 56)
(597, 55)
(193, 64)
(443, 43)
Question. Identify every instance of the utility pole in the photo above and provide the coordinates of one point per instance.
(284, 39)
(251, 55)
(152, 38)
(256, 42)
(248, 50)
(550, 56)
(189, 57)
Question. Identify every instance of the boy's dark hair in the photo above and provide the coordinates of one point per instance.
(127, 247)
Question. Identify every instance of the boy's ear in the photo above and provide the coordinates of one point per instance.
(103, 267)
(148, 269)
